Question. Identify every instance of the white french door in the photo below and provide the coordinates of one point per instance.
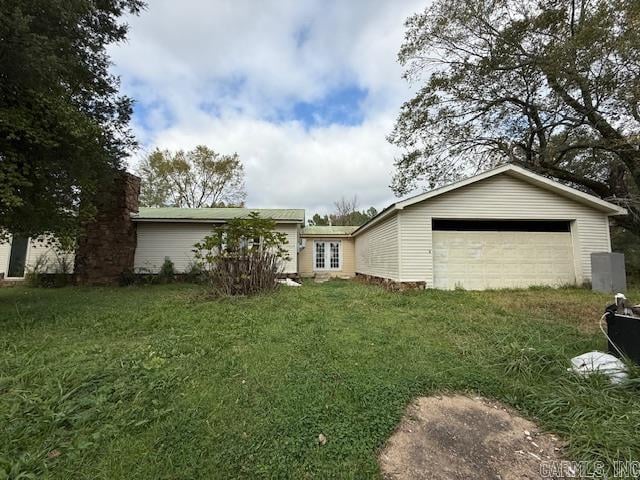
(327, 255)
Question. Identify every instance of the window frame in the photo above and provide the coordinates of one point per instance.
(327, 255)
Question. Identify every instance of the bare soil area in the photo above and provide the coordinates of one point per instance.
(457, 437)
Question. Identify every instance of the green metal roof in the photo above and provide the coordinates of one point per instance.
(329, 230)
(217, 214)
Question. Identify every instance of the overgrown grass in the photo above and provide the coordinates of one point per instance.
(152, 382)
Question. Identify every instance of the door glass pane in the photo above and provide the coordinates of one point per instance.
(18, 256)
(335, 255)
(320, 255)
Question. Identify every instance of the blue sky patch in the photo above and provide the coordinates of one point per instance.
(341, 106)
(152, 116)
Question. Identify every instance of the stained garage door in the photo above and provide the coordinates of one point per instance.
(477, 255)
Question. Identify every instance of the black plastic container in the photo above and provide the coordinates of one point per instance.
(624, 331)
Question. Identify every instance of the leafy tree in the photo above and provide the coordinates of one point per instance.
(346, 213)
(552, 85)
(63, 125)
(193, 179)
(319, 221)
(243, 256)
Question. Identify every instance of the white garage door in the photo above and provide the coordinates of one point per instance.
(477, 259)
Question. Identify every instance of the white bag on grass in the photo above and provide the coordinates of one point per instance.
(601, 362)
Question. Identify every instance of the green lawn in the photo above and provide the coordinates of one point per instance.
(158, 383)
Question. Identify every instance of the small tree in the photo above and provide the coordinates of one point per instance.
(243, 257)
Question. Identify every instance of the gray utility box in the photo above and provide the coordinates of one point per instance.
(608, 273)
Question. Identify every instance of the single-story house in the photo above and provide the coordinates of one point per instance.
(505, 228)
(172, 232)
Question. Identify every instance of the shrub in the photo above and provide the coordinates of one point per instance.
(194, 273)
(35, 272)
(63, 269)
(48, 270)
(243, 257)
(167, 272)
(127, 278)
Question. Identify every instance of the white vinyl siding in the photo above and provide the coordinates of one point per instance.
(37, 248)
(501, 197)
(155, 241)
(377, 250)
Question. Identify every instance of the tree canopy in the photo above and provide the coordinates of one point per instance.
(551, 85)
(192, 179)
(346, 213)
(63, 124)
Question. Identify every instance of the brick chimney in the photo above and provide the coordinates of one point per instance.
(107, 246)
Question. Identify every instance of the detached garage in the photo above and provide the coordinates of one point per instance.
(506, 228)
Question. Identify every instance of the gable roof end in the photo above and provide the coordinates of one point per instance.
(514, 171)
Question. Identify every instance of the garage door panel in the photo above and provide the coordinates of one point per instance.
(478, 260)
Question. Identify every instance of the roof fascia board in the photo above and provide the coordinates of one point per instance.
(201, 220)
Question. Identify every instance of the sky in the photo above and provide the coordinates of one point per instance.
(304, 91)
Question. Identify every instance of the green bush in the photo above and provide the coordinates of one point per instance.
(243, 257)
(167, 272)
(194, 273)
(625, 241)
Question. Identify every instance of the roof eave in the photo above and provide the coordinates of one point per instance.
(327, 235)
(204, 220)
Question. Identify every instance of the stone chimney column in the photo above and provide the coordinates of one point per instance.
(107, 245)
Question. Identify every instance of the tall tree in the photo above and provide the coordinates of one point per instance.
(63, 124)
(196, 178)
(552, 85)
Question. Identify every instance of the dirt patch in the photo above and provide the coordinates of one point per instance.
(457, 437)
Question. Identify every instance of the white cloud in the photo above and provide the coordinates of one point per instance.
(219, 72)
(289, 166)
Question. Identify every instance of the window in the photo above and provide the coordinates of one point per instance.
(319, 256)
(334, 261)
(327, 255)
